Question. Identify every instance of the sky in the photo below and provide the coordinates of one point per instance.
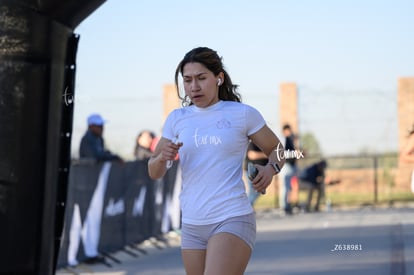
(345, 56)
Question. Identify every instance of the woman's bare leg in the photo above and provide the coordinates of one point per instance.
(227, 254)
(194, 261)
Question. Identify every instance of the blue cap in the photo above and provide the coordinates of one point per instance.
(96, 119)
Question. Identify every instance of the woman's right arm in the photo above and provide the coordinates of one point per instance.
(165, 151)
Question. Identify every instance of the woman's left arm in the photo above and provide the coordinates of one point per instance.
(270, 144)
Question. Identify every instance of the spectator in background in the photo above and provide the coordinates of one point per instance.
(92, 143)
(289, 170)
(143, 145)
(255, 156)
(312, 178)
(91, 147)
(407, 154)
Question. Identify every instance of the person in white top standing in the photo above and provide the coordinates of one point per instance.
(211, 133)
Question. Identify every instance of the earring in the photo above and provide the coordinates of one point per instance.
(186, 100)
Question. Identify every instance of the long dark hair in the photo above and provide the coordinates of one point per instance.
(210, 59)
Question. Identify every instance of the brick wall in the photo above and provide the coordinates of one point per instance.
(170, 99)
(405, 123)
(288, 108)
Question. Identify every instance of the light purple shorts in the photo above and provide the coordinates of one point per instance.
(197, 236)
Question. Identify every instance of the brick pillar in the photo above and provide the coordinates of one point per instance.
(170, 100)
(405, 124)
(288, 111)
(405, 108)
(288, 114)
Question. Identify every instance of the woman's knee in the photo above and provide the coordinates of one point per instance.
(194, 261)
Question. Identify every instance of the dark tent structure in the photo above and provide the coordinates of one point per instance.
(37, 74)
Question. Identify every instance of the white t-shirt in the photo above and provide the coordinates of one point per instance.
(215, 141)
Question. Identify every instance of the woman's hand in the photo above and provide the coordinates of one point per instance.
(165, 151)
(264, 178)
(170, 151)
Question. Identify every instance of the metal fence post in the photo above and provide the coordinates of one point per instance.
(375, 179)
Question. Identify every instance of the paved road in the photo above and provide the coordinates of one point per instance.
(353, 241)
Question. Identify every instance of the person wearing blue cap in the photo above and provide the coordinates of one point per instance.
(92, 143)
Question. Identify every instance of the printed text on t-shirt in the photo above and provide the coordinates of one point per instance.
(200, 140)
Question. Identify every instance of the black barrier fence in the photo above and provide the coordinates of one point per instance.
(112, 205)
